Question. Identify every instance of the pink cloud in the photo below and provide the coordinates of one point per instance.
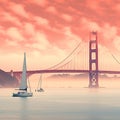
(7, 17)
(116, 43)
(18, 9)
(14, 34)
(107, 36)
(59, 1)
(41, 21)
(41, 3)
(28, 30)
(67, 17)
(34, 25)
(51, 9)
(71, 16)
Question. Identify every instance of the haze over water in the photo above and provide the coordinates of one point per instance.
(64, 101)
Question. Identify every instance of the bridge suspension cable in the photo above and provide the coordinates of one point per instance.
(115, 58)
(108, 59)
(56, 66)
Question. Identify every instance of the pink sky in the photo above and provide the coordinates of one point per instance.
(48, 30)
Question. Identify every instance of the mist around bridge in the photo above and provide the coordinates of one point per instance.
(65, 80)
(73, 81)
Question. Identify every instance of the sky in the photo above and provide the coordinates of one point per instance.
(48, 30)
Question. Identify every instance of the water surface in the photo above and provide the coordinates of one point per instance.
(62, 104)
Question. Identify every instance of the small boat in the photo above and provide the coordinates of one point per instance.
(39, 89)
(23, 89)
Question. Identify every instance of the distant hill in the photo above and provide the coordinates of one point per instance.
(65, 76)
(78, 76)
(6, 80)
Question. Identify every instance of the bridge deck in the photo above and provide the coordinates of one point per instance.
(65, 71)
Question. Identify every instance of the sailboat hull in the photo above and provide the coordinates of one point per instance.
(22, 94)
(40, 90)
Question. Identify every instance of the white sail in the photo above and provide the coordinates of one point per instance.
(40, 82)
(23, 85)
(39, 89)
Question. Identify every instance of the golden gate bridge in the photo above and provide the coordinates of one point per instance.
(91, 66)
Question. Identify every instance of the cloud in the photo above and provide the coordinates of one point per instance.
(107, 35)
(18, 9)
(71, 39)
(51, 9)
(41, 21)
(59, 1)
(67, 17)
(93, 4)
(116, 43)
(11, 43)
(41, 3)
(48, 27)
(41, 41)
(8, 19)
(28, 30)
(14, 34)
(46, 52)
(2, 33)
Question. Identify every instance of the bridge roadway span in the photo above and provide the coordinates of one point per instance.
(30, 72)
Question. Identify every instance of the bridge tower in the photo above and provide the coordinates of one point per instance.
(93, 60)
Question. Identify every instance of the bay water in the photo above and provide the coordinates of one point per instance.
(62, 103)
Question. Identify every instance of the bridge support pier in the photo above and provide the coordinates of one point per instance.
(93, 61)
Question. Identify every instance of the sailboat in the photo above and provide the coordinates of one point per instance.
(39, 89)
(23, 89)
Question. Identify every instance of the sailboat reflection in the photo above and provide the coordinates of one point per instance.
(39, 88)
